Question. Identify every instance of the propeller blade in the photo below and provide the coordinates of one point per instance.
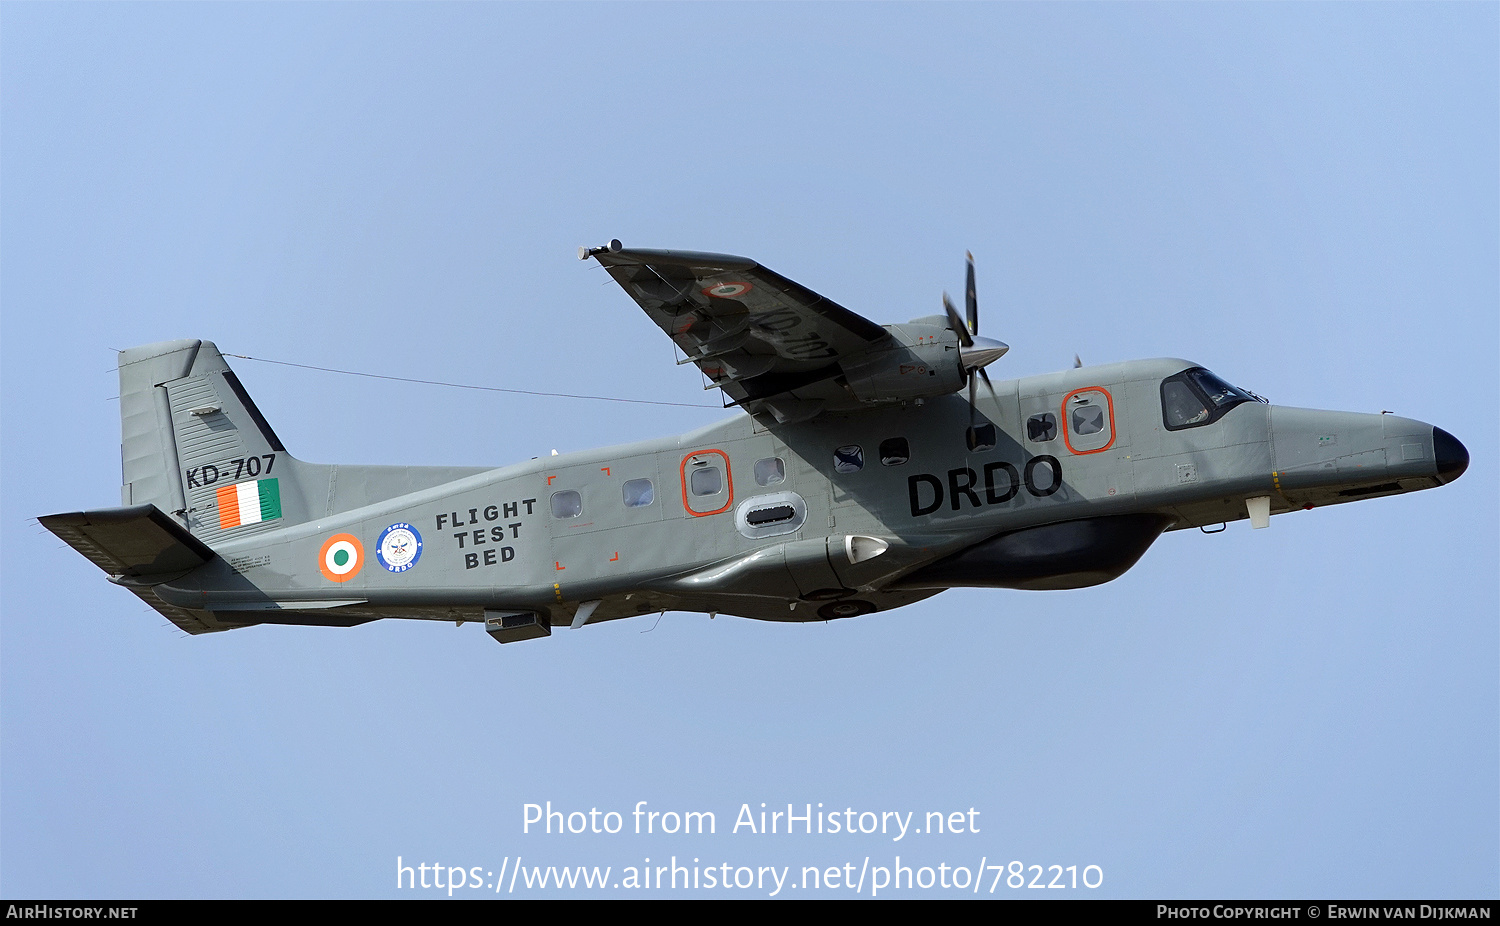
(1077, 362)
(974, 410)
(958, 325)
(971, 298)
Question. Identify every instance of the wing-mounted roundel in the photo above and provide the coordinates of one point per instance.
(727, 290)
(785, 353)
(773, 346)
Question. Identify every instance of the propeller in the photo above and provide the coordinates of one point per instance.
(971, 296)
(974, 352)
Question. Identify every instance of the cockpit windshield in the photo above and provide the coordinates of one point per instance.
(1219, 392)
(1197, 397)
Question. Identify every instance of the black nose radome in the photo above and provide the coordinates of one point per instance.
(1452, 457)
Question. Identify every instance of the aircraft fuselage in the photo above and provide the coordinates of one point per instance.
(1067, 481)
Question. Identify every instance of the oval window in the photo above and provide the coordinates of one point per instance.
(770, 515)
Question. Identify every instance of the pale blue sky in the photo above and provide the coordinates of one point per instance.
(1302, 197)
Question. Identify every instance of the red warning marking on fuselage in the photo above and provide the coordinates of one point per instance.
(560, 566)
(727, 290)
(615, 558)
(604, 470)
(549, 479)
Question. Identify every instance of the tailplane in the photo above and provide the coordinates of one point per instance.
(138, 548)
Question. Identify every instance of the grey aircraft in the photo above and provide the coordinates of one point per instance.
(868, 471)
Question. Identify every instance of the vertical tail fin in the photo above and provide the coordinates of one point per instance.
(194, 445)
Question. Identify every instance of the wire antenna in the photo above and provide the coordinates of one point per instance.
(434, 382)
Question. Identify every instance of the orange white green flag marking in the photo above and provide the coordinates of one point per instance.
(249, 503)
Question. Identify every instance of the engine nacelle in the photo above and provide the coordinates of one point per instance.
(922, 362)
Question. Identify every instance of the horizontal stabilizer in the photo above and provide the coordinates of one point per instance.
(137, 542)
(139, 547)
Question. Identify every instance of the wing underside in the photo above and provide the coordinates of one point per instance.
(773, 346)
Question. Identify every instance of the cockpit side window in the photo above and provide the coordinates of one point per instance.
(1181, 406)
(1196, 397)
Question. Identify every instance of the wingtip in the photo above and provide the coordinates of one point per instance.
(614, 247)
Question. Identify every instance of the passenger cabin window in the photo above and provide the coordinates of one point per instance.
(770, 471)
(1091, 420)
(849, 459)
(894, 452)
(1041, 428)
(567, 504)
(1088, 419)
(1196, 397)
(705, 480)
(638, 493)
(980, 438)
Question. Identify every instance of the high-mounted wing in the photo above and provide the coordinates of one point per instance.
(773, 345)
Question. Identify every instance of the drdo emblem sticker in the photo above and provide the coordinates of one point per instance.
(399, 547)
(341, 557)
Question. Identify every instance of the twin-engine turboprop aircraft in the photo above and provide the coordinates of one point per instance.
(868, 471)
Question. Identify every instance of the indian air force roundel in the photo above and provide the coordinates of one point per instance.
(341, 557)
(399, 547)
(727, 290)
